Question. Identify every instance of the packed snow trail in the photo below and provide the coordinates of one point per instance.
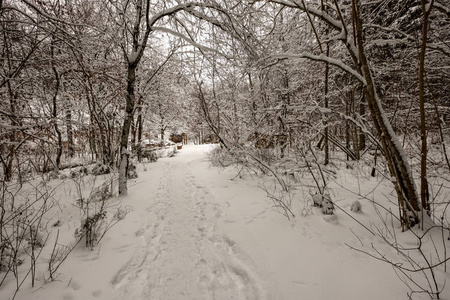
(182, 254)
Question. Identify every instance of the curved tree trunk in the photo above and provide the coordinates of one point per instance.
(398, 165)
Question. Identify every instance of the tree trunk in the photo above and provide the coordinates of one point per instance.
(362, 136)
(162, 132)
(347, 122)
(10, 152)
(70, 143)
(55, 111)
(139, 133)
(423, 128)
(396, 159)
(133, 136)
(124, 154)
(356, 130)
(326, 148)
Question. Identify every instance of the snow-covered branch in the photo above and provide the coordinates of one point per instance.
(189, 40)
(445, 49)
(323, 58)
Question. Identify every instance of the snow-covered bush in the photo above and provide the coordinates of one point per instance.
(150, 155)
(100, 169)
(90, 228)
(96, 215)
(317, 200)
(101, 193)
(132, 171)
(52, 175)
(81, 172)
(327, 205)
(324, 202)
(92, 207)
(356, 206)
(220, 157)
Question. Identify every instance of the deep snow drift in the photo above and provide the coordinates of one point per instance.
(195, 232)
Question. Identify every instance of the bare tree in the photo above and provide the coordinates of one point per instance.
(424, 195)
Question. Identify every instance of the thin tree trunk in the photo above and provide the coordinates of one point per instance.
(133, 136)
(162, 132)
(136, 129)
(7, 160)
(55, 110)
(209, 121)
(423, 128)
(139, 125)
(92, 140)
(362, 136)
(70, 143)
(441, 135)
(356, 130)
(347, 122)
(326, 142)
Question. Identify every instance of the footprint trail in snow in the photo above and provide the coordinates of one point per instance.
(182, 254)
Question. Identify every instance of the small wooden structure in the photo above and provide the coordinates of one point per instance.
(179, 138)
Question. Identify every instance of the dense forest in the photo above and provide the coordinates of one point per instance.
(284, 86)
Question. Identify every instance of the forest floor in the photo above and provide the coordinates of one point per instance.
(197, 232)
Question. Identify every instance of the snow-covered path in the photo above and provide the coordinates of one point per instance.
(182, 255)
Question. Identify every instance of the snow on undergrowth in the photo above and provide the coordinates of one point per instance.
(361, 195)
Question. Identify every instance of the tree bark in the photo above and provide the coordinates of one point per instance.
(423, 127)
(133, 136)
(347, 122)
(362, 136)
(55, 111)
(70, 143)
(396, 159)
(124, 154)
(326, 148)
(139, 132)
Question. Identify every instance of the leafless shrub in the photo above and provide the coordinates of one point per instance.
(416, 266)
(94, 209)
(23, 228)
(420, 257)
(282, 199)
(58, 256)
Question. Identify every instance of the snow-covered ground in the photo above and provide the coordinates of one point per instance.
(197, 232)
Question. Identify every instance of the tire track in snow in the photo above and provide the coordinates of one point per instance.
(182, 255)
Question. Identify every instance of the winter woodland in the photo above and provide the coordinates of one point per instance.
(272, 149)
